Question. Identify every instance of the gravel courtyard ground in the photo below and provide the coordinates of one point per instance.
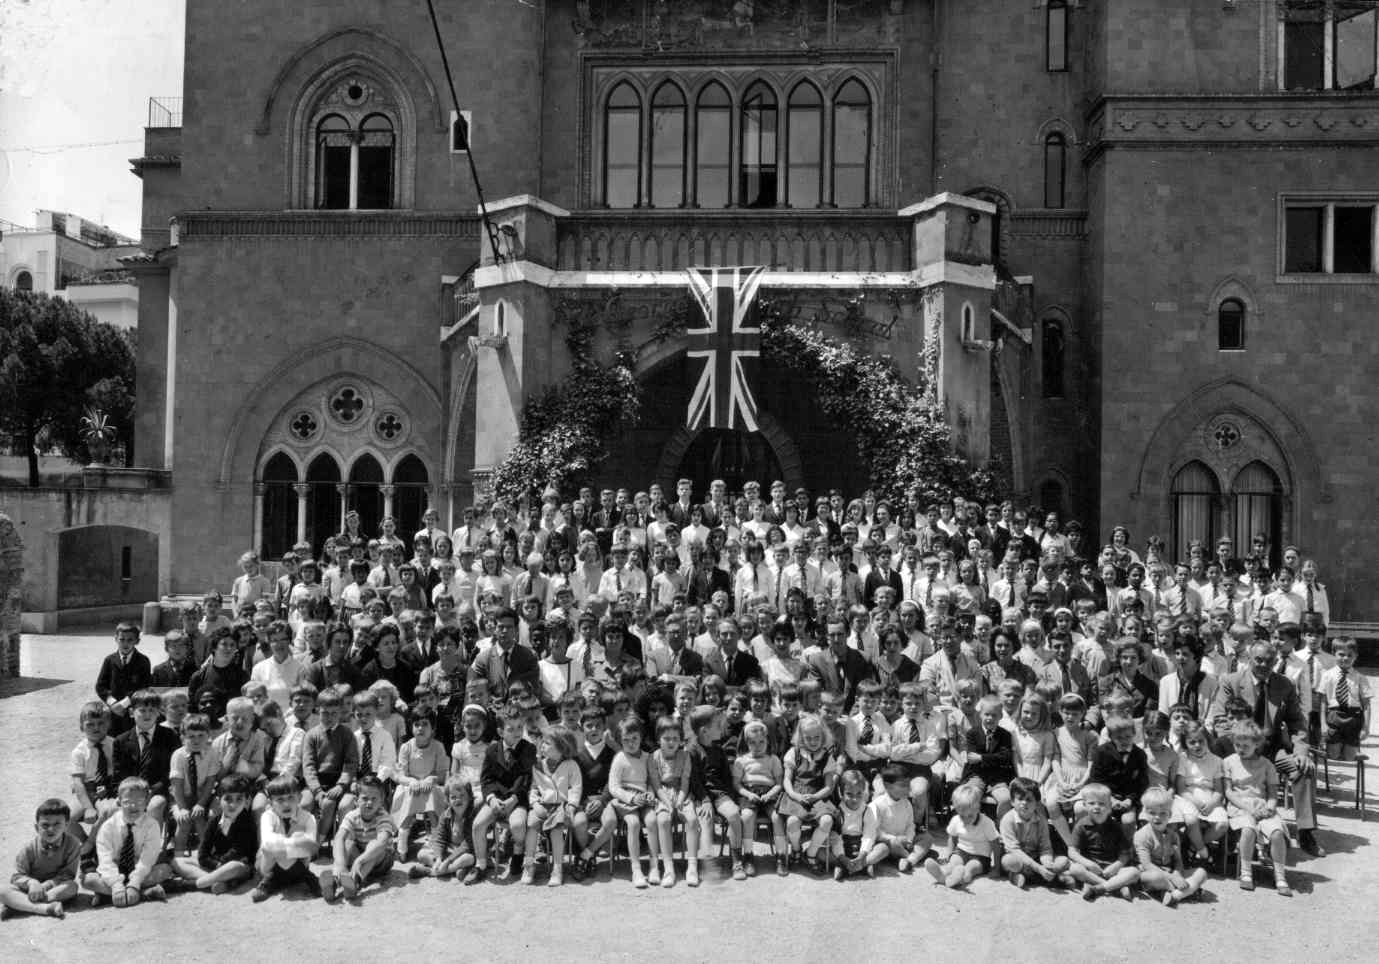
(1332, 918)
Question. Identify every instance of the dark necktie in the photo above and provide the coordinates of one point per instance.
(1311, 672)
(1067, 678)
(128, 858)
(868, 731)
(102, 768)
(1310, 607)
(193, 782)
(366, 754)
(1343, 689)
(232, 756)
(270, 755)
(145, 751)
(1262, 704)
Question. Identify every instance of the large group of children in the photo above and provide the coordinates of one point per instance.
(995, 705)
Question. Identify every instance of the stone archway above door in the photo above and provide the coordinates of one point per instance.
(782, 445)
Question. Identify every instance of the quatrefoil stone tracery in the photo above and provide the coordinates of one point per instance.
(389, 427)
(346, 405)
(304, 425)
(1226, 435)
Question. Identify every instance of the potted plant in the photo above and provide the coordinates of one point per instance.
(98, 433)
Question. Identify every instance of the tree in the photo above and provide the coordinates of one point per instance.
(55, 362)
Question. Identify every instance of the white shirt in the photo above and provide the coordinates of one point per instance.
(382, 747)
(280, 678)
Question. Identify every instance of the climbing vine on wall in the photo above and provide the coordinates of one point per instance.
(901, 434)
(564, 432)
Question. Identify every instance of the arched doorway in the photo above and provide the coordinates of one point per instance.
(279, 529)
(797, 444)
(1195, 494)
(733, 456)
(323, 516)
(365, 493)
(410, 483)
(1257, 508)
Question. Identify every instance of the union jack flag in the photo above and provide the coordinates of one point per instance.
(728, 340)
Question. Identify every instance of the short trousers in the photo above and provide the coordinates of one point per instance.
(984, 862)
(852, 845)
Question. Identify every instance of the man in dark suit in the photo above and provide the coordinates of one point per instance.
(1073, 675)
(682, 506)
(505, 662)
(1279, 714)
(707, 579)
(145, 749)
(123, 673)
(838, 667)
(677, 662)
(716, 508)
(880, 575)
(735, 666)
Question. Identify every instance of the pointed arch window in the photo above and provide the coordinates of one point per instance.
(365, 494)
(1056, 36)
(713, 147)
(1195, 494)
(1230, 325)
(1055, 170)
(759, 128)
(279, 528)
(324, 516)
(804, 185)
(375, 165)
(1257, 505)
(668, 147)
(852, 146)
(622, 143)
(1052, 349)
(355, 168)
(410, 493)
(334, 163)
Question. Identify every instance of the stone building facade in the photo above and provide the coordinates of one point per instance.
(1129, 234)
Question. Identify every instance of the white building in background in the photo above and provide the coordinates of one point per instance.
(77, 259)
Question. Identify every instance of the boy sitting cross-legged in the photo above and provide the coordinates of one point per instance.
(127, 851)
(287, 841)
(363, 845)
(227, 849)
(45, 871)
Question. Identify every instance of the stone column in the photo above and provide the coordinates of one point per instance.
(344, 491)
(11, 596)
(259, 489)
(302, 490)
(388, 492)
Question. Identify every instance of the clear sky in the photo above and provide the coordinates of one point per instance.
(80, 72)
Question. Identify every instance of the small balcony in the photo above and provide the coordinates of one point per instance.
(164, 112)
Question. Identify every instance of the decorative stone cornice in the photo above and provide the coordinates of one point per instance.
(220, 225)
(1140, 121)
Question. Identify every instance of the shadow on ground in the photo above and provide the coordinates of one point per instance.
(27, 684)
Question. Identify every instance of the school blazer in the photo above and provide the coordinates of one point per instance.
(744, 667)
(161, 748)
(823, 667)
(1285, 723)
